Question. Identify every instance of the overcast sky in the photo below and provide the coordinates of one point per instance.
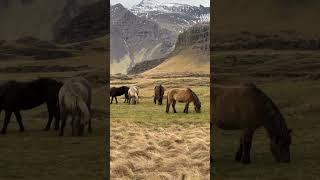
(130, 3)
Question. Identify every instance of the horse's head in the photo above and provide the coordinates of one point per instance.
(197, 108)
(280, 147)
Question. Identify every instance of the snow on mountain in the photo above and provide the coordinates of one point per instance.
(173, 16)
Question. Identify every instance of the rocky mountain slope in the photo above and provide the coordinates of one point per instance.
(37, 18)
(191, 54)
(135, 39)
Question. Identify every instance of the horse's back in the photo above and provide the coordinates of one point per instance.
(237, 107)
(27, 95)
(179, 94)
(133, 90)
(76, 87)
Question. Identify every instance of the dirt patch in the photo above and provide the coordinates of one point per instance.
(151, 152)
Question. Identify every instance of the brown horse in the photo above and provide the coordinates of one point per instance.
(246, 107)
(182, 95)
(158, 94)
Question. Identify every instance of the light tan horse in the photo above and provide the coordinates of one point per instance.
(133, 94)
(185, 95)
(247, 107)
(75, 102)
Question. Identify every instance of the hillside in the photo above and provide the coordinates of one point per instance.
(191, 54)
(135, 39)
(37, 18)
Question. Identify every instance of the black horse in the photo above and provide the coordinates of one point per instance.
(158, 94)
(118, 91)
(16, 96)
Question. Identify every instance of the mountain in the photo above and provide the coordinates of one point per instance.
(135, 39)
(88, 23)
(37, 18)
(190, 56)
(172, 16)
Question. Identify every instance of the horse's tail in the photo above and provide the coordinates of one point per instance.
(84, 109)
(137, 97)
(168, 105)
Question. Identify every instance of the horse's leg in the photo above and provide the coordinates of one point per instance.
(168, 105)
(63, 123)
(186, 108)
(89, 125)
(6, 121)
(73, 126)
(19, 119)
(247, 142)
(240, 150)
(174, 106)
(125, 99)
(116, 100)
(111, 100)
(50, 117)
(57, 119)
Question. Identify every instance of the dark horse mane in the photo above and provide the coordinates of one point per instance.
(195, 98)
(274, 116)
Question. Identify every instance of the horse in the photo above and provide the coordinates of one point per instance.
(185, 95)
(75, 101)
(158, 94)
(246, 107)
(16, 96)
(133, 94)
(118, 91)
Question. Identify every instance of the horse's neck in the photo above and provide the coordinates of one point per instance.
(275, 126)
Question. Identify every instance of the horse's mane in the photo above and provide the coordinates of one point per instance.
(195, 98)
(281, 128)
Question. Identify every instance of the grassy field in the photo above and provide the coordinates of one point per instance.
(290, 78)
(36, 154)
(146, 142)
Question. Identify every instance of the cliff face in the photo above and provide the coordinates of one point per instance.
(135, 39)
(191, 48)
(196, 37)
(86, 23)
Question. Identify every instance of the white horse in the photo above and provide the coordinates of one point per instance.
(133, 93)
(75, 101)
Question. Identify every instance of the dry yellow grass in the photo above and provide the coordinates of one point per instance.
(187, 61)
(151, 152)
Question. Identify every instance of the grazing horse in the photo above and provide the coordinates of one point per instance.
(185, 95)
(118, 91)
(158, 94)
(246, 107)
(75, 101)
(133, 94)
(16, 96)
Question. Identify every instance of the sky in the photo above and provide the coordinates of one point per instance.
(130, 3)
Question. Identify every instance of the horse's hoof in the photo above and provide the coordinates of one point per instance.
(246, 161)
(3, 132)
(46, 129)
(238, 158)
